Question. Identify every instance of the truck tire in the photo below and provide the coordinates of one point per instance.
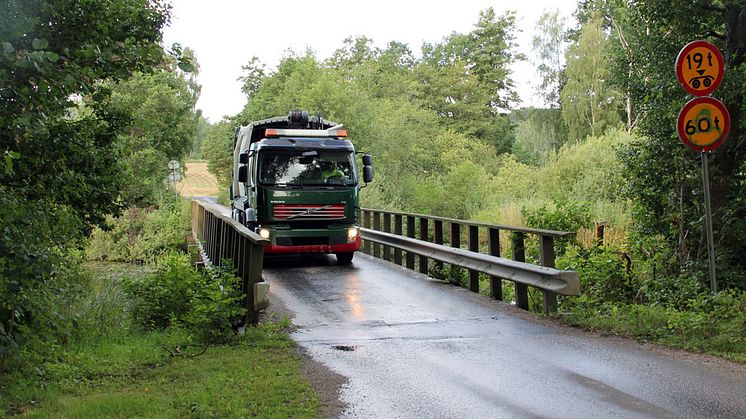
(344, 258)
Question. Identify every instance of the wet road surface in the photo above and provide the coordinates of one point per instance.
(414, 347)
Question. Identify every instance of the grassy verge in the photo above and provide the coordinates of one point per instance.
(715, 332)
(257, 376)
(130, 373)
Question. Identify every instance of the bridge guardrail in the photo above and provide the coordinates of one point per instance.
(522, 274)
(220, 238)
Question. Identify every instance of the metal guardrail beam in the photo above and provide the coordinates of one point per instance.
(222, 238)
(548, 279)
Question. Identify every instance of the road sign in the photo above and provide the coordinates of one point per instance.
(703, 124)
(174, 177)
(700, 68)
(173, 165)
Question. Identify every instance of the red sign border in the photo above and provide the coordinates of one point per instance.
(682, 129)
(680, 63)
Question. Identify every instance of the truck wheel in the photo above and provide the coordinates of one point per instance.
(344, 258)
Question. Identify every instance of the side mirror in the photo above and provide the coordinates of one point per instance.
(243, 174)
(243, 158)
(367, 174)
(367, 160)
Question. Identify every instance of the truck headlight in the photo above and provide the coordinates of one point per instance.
(352, 233)
(264, 232)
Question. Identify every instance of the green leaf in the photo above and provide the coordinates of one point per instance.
(22, 63)
(39, 43)
(52, 57)
(9, 156)
(8, 48)
(186, 66)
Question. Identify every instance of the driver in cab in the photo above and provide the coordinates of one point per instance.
(330, 170)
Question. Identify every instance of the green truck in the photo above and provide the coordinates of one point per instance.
(295, 182)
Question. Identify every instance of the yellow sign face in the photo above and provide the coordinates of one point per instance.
(700, 68)
(703, 123)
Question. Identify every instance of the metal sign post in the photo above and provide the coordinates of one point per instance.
(708, 222)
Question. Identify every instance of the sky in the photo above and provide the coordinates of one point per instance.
(225, 34)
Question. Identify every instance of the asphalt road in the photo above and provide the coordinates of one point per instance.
(413, 347)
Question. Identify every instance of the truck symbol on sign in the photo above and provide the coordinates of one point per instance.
(697, 81)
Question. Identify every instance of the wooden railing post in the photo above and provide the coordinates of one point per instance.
(410, 234)
(546, 258)
(496, 284)
(424, 237)
(387, 229)
(398, 232)
(366, 224)
(455, 235)
(377, 227)
(519, 254)
(438, 238)
(474, 247)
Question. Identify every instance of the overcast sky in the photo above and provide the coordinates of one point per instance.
(225, 34)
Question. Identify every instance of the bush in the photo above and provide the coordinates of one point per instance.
(206, 303)
(143, 234)
(604, 275)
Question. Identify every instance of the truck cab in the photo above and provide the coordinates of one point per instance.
(296, 183)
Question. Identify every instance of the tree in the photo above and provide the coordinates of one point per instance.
(254, 72)
(664, 177)
(590, 105)
(161, 127)
(202, 128)
(466, 78)
(64, 168)
(218, 151)
(549, 46)
(537, 138)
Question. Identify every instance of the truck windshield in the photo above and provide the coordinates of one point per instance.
(309, 168)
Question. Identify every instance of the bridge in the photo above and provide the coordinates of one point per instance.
(412, 346)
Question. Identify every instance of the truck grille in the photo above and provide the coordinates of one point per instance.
(307, 212)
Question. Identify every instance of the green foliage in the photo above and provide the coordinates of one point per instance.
(135, 377)
(713, 324)
(549, 45)
(142, 234)
(163, 297)
(590, 105)
(539, 137)
(604, 275)
(215, 305)
(206, 303)
(563, 216)
(33, 276)
(663, 177)
(161, 127)
(201, 130)
(217, 149)
(63, 168)
(452, 274)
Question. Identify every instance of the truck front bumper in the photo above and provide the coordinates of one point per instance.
(352, 246)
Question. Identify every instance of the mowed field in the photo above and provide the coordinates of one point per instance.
(197, 181)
